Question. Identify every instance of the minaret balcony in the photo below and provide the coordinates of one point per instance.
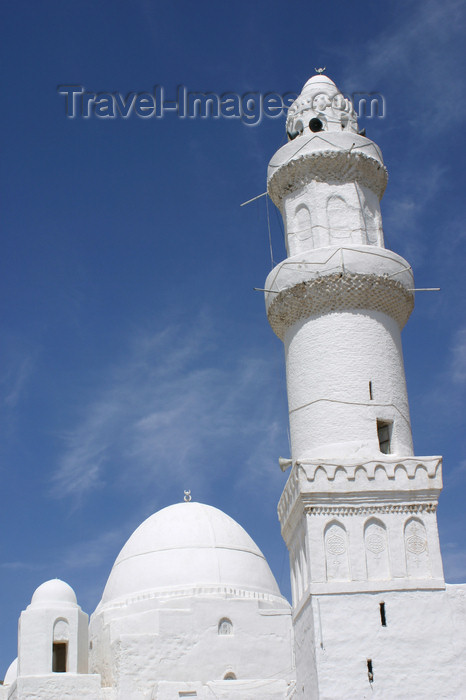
(337, 279)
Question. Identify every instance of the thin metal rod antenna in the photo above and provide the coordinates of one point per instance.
(272, 291)
(253, 199)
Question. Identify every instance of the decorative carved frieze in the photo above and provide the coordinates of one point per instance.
(340, 292)
(411, 466)
(403, 508)
(327, 166)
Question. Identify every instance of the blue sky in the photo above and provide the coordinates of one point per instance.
(137, 360)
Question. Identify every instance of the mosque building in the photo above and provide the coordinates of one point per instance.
(191, 608)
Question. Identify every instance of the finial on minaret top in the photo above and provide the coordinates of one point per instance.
(187, 496)
(320, 107)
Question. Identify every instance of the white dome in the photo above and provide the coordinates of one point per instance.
(319, 82)
(54, 591)
(186, 546)
(12, 673)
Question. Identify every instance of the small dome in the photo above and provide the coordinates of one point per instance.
(12, 673)
(54, 591)
(186, 546)
(321, 82)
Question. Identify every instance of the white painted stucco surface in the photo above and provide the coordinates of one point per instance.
(190, 601)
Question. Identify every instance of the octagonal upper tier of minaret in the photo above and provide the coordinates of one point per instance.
(329, 178)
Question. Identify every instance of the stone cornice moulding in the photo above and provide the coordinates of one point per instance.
(301, 491)
(339, 166)
(404, 508)
(370, 587)
(161, 594)
(340, 292)
(432, 466)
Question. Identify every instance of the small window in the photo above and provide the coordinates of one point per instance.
(230, 676)
(384, 433)
(59, 657)
(225, 626)
(370, 671)
(371, 393)
(383, 615)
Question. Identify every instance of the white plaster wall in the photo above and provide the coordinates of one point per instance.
(322, 214)
(135, 648)
(223, 690)
(36, 636)
(306, 637)
(63, 686)
(330, 360)
(419, 654)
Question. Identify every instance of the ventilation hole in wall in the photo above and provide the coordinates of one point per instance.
(90, 644)
(371, 396)
(383, 618)
(230, 676)
(370, 671)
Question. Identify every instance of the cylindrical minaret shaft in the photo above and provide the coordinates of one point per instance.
(340, 299)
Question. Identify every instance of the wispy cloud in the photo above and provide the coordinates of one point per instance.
(454, 562)
(172, 412)
(21, 566)
(15, 378)
(444, 396)
(457, 364)
(417, 51)
(91, 553)
(406, 207)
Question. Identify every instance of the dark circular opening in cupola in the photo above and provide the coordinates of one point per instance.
(315, 124)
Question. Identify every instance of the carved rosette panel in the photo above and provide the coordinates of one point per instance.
(376, 548)
(417, 552)
(336, 553)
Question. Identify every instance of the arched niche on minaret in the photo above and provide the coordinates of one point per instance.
(416, 548)
(336, 552)
(340, 219)
(300, 229)
(372, 217)
(376, 550)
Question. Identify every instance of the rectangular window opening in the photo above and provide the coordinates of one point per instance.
(371, 396)
(383, 618)
(370, 671)
(59, 653)
(384, 433)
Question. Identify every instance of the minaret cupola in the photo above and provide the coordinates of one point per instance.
(320, 107)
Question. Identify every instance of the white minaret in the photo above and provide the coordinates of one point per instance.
(358, 512)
